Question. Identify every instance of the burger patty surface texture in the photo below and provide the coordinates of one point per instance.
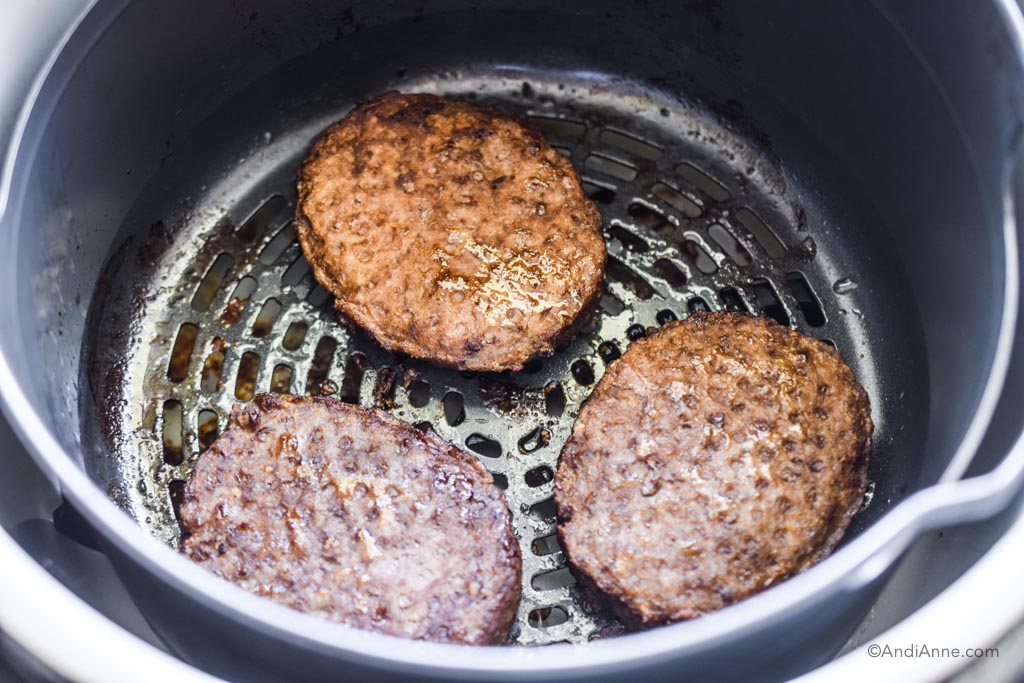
(450, 232)
(358, 517)
(716, 457)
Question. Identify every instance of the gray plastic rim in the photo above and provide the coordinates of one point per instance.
(851, 568)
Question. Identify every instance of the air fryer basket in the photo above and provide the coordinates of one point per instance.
(696, 218)
(744, 157)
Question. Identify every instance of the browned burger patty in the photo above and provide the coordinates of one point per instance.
(718, 456)
(350, 514)
(450, 232)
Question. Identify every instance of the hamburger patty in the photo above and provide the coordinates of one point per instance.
(450, 232)
(716, 457)
(353, 515)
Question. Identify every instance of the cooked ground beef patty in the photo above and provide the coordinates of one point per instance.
(353, 515)
(450, 232)
(718, 456)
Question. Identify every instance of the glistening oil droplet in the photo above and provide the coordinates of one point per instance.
(844, 286)
(869, 495)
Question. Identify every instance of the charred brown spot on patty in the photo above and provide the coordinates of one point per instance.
(715, 458)
(450, 232)
(353, 515)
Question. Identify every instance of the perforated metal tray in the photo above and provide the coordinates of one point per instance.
(223, 306)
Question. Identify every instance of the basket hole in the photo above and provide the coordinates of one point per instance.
(261, 219)
(238, 300)
(582, 372)
(730, 245)
(213, 369)
(561, 128)
(266, 318)
(539, 476)
(352, 382)
(608, 351)
(556, 578)
(385, 386)
(665, 316)
(424, 426)
(830, 343)
(248, 372)
(545, 545)
(670, 273)
(181, 352)
(211, 282)
(176, 492)
(149, 417)
(564, 151)
(599, 193)
(296, 271)
(697, 305)
(532, 366)
(419, 394)
(628, 240)
(635, 146)
(564, 344)
(554, 399)
(587, 326)
(277, 245)
(620, 272)
(500, 480)
(544, 510)
(732, 301)
(703, 182)
(281, 379)
(648, 217)
(483, 445)
(676, 200)
(695, 255)
(536, 439)
(172, 433)
(762, 233)
(810, 304)
(323, 354)
(295, 335)
(207, 428)
(768, 301)
(318, 296)
(611, 167)
(454, 408)
(610, 303)
(546, 617)
(636, 331)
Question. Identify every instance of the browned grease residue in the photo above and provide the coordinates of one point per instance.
(233, 311)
